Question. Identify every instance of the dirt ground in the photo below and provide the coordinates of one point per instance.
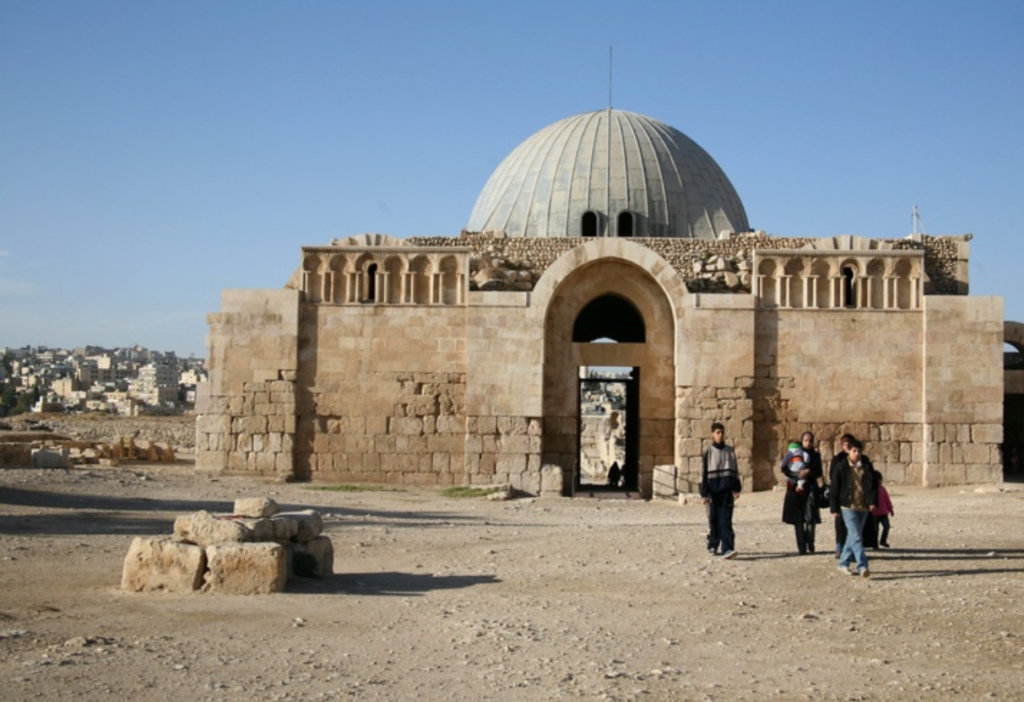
(440, 598)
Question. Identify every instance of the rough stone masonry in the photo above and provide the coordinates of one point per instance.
(253, 550)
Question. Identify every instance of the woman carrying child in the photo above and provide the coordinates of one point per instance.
(802, 468)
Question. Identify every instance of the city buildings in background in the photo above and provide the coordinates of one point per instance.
(127, 381)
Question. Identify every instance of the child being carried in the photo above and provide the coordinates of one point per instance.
(793, 462)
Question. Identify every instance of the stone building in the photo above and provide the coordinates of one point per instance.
(457, 360)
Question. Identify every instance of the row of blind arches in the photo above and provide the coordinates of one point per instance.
(384, 279)
(878, 284)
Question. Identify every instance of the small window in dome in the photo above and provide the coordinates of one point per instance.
(625, 224)
(588, 224)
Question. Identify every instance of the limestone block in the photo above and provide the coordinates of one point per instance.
(256, 507)
(987, 433)
(551, 481)
(409, 426)
(311, 560)
(308, 524)
(245, 569)
(51, 458)
(145, 450)
(203, 529)
(664, 481)
(160, 563)
(165, 452)
(261, 529)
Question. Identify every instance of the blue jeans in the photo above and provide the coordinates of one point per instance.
(854, 546)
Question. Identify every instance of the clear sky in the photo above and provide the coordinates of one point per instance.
(155, 153)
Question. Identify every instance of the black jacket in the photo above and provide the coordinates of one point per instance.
(841, 478)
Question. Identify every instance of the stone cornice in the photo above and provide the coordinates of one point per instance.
(842, 253)
(386, 249)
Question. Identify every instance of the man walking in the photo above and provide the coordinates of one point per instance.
(720, 487)
(854, 493)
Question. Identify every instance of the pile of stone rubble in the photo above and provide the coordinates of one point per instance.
(253, 550)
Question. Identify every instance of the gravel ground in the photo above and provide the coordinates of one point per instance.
(440, 598)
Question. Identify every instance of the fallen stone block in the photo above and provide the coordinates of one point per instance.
(204, 529)
(256, 507)
(164, 452)
(280, 531)
(311, 560)
(144, 450)
(160, 563)
(245, 569)
(271, 529)
(308, 521)
(51, 458)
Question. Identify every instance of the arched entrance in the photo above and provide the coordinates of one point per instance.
(608, 438)
(597, 301)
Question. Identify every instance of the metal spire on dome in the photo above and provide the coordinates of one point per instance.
(610, 64)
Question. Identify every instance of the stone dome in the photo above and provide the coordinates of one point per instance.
(558, 182)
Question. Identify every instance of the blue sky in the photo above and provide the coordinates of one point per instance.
(155, 153)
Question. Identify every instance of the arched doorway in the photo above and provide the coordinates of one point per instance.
(604, 300)
(608, 438)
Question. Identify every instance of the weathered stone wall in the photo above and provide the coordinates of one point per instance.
(963, 391)
(246, 413)
(382, 394)
(714, 377)
(855, 372)
(504, 369)
(482, 387)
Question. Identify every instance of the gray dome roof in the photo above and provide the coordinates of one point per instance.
(558, 183)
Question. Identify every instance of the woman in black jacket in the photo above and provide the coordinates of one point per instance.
(800, 507)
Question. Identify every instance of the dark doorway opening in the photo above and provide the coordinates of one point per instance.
(608, 433)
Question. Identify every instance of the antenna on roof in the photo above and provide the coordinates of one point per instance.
(916, 220)
(609, 77)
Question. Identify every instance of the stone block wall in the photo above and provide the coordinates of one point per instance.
(714, 377)
(246, 413)
(963, 391)
(382, 394)
(504, 368)
(483, 390)
(838, 371)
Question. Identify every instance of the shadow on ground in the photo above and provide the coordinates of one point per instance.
(81, 513)
(386, 584)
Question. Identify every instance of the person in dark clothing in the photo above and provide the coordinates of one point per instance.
(800, 507)
(720, 487)
(844, 441)
(614, 475)
(853, 495)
